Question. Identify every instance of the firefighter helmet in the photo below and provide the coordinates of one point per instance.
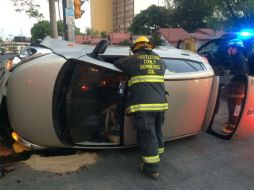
(141, 43)
(236, 43)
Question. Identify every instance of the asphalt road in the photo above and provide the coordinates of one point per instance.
(200, 162)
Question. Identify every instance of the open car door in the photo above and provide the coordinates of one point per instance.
(234, 103)
(88, 101)
(231, 109)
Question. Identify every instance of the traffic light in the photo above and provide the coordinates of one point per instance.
(77, 8)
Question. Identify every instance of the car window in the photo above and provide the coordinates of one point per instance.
(183, 66)
(212, 46)
(24, 52)
(218, 47)
(92, 95)
(28, 52)
(32, 51)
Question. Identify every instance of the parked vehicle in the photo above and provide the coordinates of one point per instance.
(74, 96)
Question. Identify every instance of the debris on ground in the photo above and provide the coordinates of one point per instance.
(5, 151)
(7, 167)
(62, 164)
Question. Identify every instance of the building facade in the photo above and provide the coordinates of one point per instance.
(115, 15)
(111, 15)
(101, 15)
(123, 14)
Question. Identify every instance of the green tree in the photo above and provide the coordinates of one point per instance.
(219, 14)
(125, 43)
(235, 14)
(40, 30)
(156, 39)
(149, 20)
(60, 28)
(104, 34)
(92, 32)
(77, 31)
(88, 31)
(29, 7)
(190, 14)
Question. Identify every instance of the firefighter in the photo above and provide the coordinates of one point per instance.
(236, 89)
(147, 101)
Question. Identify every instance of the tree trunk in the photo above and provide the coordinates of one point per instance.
(53, 24)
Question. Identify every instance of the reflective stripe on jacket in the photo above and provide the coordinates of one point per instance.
(146, 78)
(146, 91)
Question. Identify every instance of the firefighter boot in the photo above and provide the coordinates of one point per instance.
(228, 128)
(151, 174)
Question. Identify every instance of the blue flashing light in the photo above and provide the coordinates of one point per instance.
(246, 33)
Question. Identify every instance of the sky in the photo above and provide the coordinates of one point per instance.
(16, 24)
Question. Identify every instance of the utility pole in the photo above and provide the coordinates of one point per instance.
(53, 24)
(69, 20)
(65, 27)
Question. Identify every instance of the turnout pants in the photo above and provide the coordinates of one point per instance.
(236, 94)
(150, 137)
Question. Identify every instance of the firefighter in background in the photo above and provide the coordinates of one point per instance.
(147, 101)
(236, 89)
(189, 44)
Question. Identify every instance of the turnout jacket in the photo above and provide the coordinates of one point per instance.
(146, 89)
(238, 67)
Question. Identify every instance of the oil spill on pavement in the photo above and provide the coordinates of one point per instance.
(62, 164)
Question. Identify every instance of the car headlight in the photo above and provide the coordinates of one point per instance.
(16, 61)
(11, 63)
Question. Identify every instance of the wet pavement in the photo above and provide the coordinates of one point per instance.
(199, 162)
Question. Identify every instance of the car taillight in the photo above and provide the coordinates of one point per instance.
(103, 83)
(85, 88)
